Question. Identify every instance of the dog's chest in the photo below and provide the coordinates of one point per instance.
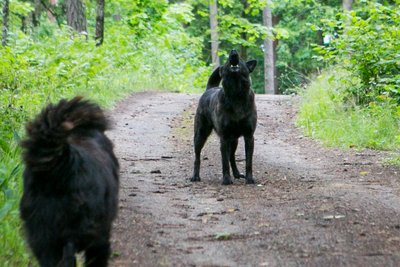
(235, 111)
(235, 121)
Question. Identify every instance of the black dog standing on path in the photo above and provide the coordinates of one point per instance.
(70, 184)
(231, 112)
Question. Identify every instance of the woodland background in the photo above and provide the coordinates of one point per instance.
(342, 57)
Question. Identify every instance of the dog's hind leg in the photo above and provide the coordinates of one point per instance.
(97, 256)
(50, 257)
(202, 131)
(225, 153)
(68, 259)
(249, 149)
(235, 170)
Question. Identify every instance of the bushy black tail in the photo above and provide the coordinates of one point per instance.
(47, 134)
(214, 79)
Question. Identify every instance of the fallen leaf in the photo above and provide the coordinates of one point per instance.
(231, 210)
(223, 236)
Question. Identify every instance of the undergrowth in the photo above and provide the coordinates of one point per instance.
(328, 114)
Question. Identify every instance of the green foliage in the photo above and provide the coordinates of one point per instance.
(239, 24)
(144, 16)
(239, 27)
(368, 47)
(236, 27)
(295, 55)
(394, 159)
(325, 115)
(357, 104)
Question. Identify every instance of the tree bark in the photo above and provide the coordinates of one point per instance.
(243, 49)
(50, 13)
(76, 18)
(347, 5)
(243, 35)
(214, 33)
(36, 12)
(99, 22)
(6, 13)
(275, 21)
(276, 74)
(269, 75)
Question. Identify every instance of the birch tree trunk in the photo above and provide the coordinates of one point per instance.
(269, 73)
(214, 33)
(243, 49)
(347, 5)
(50, 14)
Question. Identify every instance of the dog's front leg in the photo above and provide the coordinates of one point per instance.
(249, 149)
(235, 170)
(225, 153)
(201, 133)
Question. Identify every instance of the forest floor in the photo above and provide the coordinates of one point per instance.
(310, 206)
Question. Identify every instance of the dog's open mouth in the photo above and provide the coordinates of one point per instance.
(235, 68)
(234, 61)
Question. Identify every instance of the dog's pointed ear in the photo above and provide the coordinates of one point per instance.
(214, 79)
(251, 64)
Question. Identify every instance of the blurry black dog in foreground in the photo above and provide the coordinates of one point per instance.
(70, 184)
(231, 112)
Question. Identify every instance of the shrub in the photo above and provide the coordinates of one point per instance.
(326, 115)
(368, 47)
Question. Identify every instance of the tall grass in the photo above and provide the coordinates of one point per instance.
(326, 113)
(11, 241)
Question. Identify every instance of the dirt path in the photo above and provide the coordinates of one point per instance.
(311, 206)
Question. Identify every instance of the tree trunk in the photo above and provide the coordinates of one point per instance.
(275, 45)
(243, 35)
(269, 79)
(24, 26)
(347, 5)
(214, 33)
(243, 49)
(50, 13)
(6, 12)
(99, 22)
(275, 21)
(36, 13)
(76, 18)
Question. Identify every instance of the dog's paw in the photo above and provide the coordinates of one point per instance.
(238, 175)
(195, 179)
(227, 180)
(250, 180)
